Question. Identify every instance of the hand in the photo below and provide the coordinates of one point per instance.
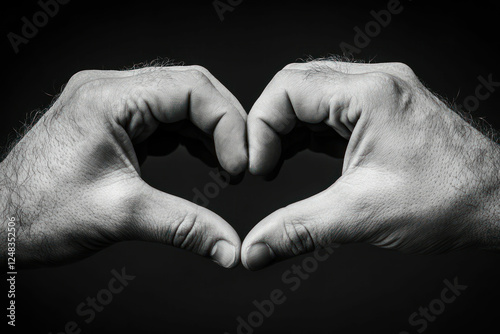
(73, 181)
(416, 177)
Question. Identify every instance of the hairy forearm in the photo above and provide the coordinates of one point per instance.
(10, 203)
(481, 156)
(19, 191)
(6, 211)
(489, 220)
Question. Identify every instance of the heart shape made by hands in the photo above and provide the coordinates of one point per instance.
(402, 151)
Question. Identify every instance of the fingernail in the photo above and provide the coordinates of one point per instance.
(259, 256)
(223, 253)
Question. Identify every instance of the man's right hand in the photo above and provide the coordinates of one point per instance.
(416, 176)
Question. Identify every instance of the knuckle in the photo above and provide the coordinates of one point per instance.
(84, 84)
(285, 73)
(80, 78)
(403, 69)
(386, 87)
(389, 240)
(284, 76)
(198, 68)
(294, 66)
(381, 79)
(198, 74)
(137, 99)
(298, 238)
(183, 233)
(89, 90)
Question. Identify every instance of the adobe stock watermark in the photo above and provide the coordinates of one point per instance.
(30, 27)
(483, 91)
(92, 305)
(293, 279)
(421, 319)
(211, 189)
(11, 269)
(373, 28)
(221, 7)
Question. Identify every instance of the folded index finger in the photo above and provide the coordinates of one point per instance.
(169, 95)
(292, 95)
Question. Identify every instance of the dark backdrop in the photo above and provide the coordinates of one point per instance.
(359, 289)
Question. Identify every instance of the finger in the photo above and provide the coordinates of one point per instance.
(293, 95)
(394, 68)
(165, 95)
(220, 87)
(167, 219)
(217, 84)
(341, 214)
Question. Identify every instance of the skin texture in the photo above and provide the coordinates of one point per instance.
(416, 177)
(73, 182)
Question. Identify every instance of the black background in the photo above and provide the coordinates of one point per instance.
(360, 289)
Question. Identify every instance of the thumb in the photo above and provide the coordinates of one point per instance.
(342, 213)
(164, 218)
